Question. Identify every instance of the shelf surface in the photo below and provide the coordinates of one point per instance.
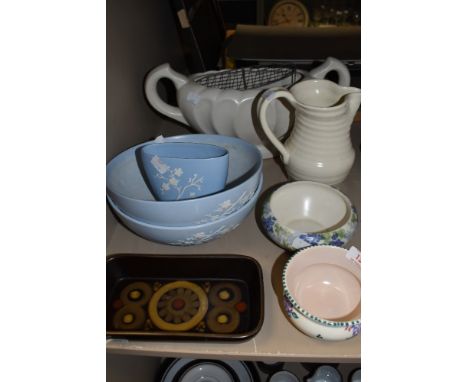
(278, 340)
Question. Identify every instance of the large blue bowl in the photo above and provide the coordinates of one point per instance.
(191, 234)
(129, 192)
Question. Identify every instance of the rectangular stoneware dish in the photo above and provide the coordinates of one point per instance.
(170, 297)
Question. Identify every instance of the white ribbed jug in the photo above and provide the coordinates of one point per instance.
(319, 147)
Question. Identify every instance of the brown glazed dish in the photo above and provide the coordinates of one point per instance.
(170, 297)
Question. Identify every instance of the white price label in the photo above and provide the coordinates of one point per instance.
(354, 254)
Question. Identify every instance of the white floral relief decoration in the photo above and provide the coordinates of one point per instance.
(227, 207)
(202, 237)
(172, 181)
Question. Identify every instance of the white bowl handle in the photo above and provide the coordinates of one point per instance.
(151, 91)
(330, 64)
(264, 101)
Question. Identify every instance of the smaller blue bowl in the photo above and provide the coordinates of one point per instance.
(179, 171)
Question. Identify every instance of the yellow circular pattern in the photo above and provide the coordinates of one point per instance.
(223, 319)
(129, 317)
(225, 294)
(183, 326)
(136, 293)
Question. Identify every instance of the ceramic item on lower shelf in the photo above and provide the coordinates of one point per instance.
(301, 214)
(178, 170)
(283, 376)
(128, 190)
(319, 147)
(295, 295)
(238, 371)
(190, 234)
(325, 374)
(356, 377)
(269, 367)
(206, 372)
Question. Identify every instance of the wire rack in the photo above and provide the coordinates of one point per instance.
(252, 77)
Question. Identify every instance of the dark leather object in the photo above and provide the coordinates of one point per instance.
(267, 43)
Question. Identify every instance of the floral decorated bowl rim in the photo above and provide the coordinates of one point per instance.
(305, 313)
(349, 218)
(246, 206)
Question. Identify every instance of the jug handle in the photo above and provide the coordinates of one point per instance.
(331, 64)
(151, 91)
(264, 101)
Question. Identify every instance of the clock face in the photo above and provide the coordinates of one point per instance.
(289, 13)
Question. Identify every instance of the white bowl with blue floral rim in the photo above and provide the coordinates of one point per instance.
(128, 190)
(304, 213)
(189, 234)
(294, 303)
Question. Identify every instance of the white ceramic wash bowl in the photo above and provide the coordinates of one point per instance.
(310, 324)
(225, 107)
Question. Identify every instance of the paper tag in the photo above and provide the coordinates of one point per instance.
(354, 254)
(183, 19)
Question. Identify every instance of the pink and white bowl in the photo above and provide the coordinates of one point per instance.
(324, 281)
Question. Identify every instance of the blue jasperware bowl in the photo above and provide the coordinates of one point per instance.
(190, 234)
(129, 192)
(181, 170)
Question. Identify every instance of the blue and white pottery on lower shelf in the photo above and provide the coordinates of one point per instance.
(190, 234)
(283, 376)
(325, 373)
(356, 377)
